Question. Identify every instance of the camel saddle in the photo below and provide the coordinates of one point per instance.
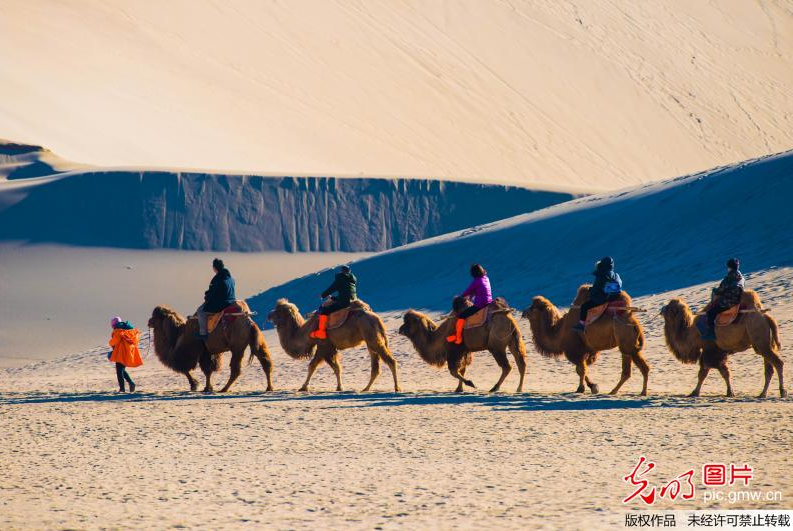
(612, 307)
(226, 316)
(339, 317)
(483, 316)
(727, 317)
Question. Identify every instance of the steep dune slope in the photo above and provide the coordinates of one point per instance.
(211, 211)
(663, 236)
(587, 94)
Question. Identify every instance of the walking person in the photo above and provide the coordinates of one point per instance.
(124, 341)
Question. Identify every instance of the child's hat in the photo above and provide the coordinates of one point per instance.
(115, 320)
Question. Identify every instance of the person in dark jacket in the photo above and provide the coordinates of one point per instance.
(607, 287)
(345, 285)
(221, 293)
(728, 294)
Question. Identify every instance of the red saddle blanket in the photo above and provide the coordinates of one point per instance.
(224, 316)
(612, 308)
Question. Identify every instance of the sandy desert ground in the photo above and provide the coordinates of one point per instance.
(542, 92)
(77, 455)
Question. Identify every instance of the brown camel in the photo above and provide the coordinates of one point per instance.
(362, 326)
(496, 336)
(755, 329)
(554, 335)
(178, 349)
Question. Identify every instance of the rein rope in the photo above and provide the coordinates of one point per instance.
(148, 346)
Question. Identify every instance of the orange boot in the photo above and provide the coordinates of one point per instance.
(321, 331)
(457, 338)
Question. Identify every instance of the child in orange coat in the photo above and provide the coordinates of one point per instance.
(124, 341)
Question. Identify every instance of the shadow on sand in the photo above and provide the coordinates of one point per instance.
(333, 400)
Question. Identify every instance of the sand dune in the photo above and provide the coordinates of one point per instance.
(662, 236)
(194, 210)
(594, 95)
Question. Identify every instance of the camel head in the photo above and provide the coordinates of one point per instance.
(582, 294)
(292, 333)
(285, 312)
(539, 306)
(164, 315)
(414, 322)
(681, 336)
(546, 326)
(418, 328)
(675, 310)
(459, 304)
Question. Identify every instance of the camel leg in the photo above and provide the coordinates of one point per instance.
(626, 373)
(208, 366)
(374, 373)
(332, 359)
(644, 368)
(703, 373)
(724, 370)
(267, 367)
(501, 358)
(456, 359)
(581, 368)
(389, 360)
(312, 366)
(192, 381)
(779, 366)
(769, 373)
(460, 383)
(236, 369)
(520, 360)
(593, 387)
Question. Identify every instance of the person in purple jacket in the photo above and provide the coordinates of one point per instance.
(479, 288)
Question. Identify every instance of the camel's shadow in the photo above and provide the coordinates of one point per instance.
(503, 402)
(346, 400)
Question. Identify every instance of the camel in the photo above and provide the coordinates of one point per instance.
(755, 329)
(362, 326)
(496, 336)
(554, 336)
(178, 349)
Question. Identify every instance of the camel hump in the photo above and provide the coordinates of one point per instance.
(500, 304)
(626, 298)
(358, 304)
(583, 295)
(751, 300)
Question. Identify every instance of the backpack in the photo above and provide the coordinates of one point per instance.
(613, 286)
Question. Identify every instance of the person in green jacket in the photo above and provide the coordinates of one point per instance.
(345, 287)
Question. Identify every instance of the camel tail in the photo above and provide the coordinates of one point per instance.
(257, 344)
(774, 331)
